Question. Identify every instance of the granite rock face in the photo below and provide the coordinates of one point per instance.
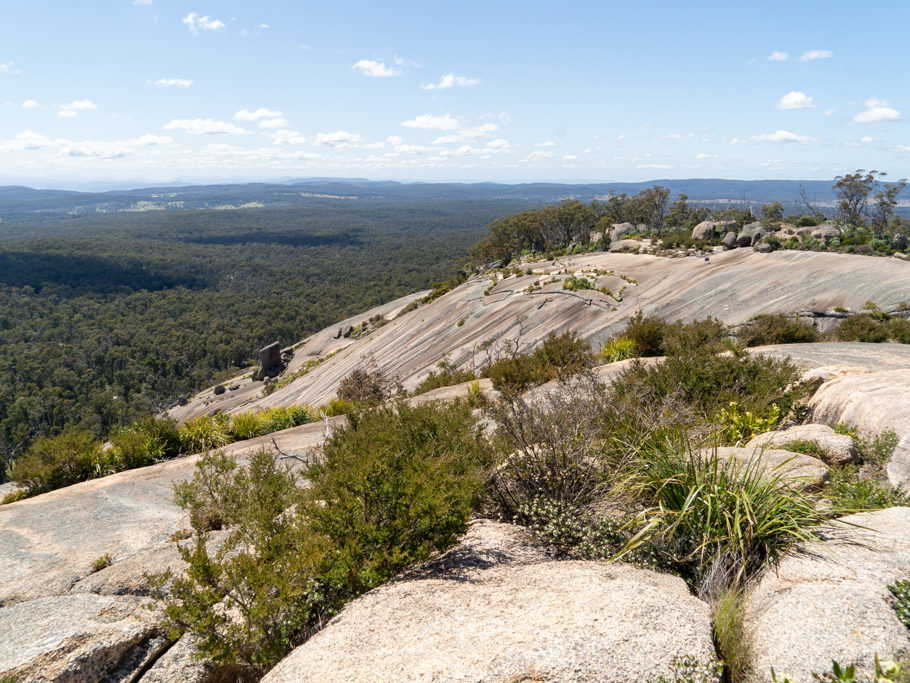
(832, 601)
(838, 448)
(872, 402)
(620, 230)
(79, 637)
(495, 609)
(807, 472)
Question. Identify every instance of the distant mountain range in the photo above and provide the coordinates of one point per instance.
(27, 205)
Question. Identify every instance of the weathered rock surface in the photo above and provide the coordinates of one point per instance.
(750, 235)
(729, 240)
(832, 602)
(733, 286)
(873, 403)
(825, 232)
(79, 637)
(857, 355)
(180, 664)
(494, 609)
(620, 246)
(806, 471)
(839, 448)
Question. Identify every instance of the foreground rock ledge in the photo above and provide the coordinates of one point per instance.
(832, 602)
(495, 608)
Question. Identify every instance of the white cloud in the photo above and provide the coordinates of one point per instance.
(204, 127)
(539, 155)
(829, 112)
(569, 157)
(866, 138)
(370, 67)
(702, 155)
(781, 136)
(287, 137)
(394, 139)
(464, 134)
(339, 138)
(621, 136)
(661, 167)
(30, 140)
(450, 80)
(279, 122)
(142, 2)
(29, 104)
(261, 113)
(548, 143)
(815, 54)
(498, 143)
(877, 111)
(197, 23)
(8, 68)
(778, 56)
(68, 111)
(430, 122)
(795, 100)
(171, 82)
(27, 139)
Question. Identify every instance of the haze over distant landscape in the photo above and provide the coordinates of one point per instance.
(148, 92)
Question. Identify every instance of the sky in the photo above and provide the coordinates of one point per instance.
(122, 91)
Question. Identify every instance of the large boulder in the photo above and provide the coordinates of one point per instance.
(705, 230)
(750, 235)
(620, 246)
(873, 403)
(620, 230)
(495, 609)
(831, 601)
(729, 240)
(78, 637)
(838, 448)
(269, 359)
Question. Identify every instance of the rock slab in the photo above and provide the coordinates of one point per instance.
(493, 609)
(832, 601)
(873, 402)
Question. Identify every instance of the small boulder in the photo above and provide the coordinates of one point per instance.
(838, 448)
(218, 390)
(729, 241)
(763, 248)
(620, 230)
(705, 230)
(750, 235)
(234, 387)
(626, 245)
(825, 232)
(497, 608)
(808, 472)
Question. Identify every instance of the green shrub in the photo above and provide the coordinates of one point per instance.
(514, 375)
(876, 449)
(618, 348)
(367, 383)
(285, 417)
(776, 329)
(446, 377)
(737, 426)
(648, 334)
(246, 425)
(205, 433)
(338, 406)
(102, 563)
(397, 484)
(561, 356)
(52, 462)
(14, 496)
(861, 328)
(849, 490)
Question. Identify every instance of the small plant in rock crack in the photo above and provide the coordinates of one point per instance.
(901, 592)
(102, 562)
(689, 669)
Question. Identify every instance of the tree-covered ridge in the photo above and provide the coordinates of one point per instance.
(108, 319)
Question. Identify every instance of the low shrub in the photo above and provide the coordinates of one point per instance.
(901, 593)
(446, 376)
(102, 563)
(653, 336)
(368, 383)
(776, 329)
(851, 491)
(394, 485)
(861, 328)
(733, 644)
(246, 425)
(52, 462)
(618, 348)
(205, 433)
(737, 426)
(14, 496)
(689, 669)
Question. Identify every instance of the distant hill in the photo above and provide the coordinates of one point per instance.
(26, 205)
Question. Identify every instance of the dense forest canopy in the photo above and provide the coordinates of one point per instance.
(109, 318)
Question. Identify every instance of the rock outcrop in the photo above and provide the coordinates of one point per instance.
(838, 448)
(705, 230)
(620, 230)
(831, 601)
(872, 402)
(805, 471)
(78, 637)
(496, 609)
(269, 359)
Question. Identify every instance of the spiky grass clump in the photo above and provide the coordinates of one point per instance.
(720, 521)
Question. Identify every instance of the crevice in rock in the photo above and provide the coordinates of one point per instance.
(138, 659)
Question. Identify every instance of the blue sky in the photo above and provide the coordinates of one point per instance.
(162, 90)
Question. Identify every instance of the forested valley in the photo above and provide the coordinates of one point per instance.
(110, 318)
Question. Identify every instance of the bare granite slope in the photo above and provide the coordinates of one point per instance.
(732, 286)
